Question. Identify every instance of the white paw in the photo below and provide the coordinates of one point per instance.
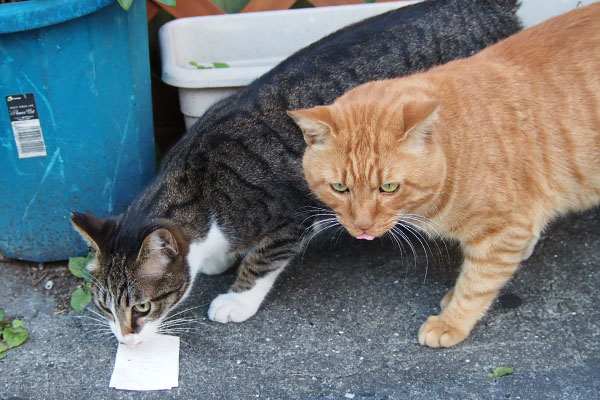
(232, 307)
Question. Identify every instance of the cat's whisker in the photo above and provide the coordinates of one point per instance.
(183, 311)
(181, 322)
(177, 321)
(99, 288)
(336, 235)
(94, 324)
(318, 221)
(178, 331)
(95, 312)
(87, 317)
(342, 232)
(99, 333)
(424, 245)
(318, 227)
(323, 228)
(408, 242)
(398, 243)
(403, 251)
(427, 222)
(311, 214)
(181, 329)
(401, 247)
(419, 231)
(314, 208)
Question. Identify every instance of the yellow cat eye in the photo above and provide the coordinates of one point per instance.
(389, 187)
(339, 187)
(142, 308)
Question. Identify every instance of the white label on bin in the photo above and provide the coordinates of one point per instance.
(26, 125)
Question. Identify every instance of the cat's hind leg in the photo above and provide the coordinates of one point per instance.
(258, 271)
(490, 261)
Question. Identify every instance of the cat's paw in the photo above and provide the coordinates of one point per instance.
(437, 333)
(447, 299)
(232, 307)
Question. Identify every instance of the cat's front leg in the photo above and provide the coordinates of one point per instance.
(489, 263)
(256, 276)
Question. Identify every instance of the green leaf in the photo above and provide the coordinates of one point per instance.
(17, 323)
(171, 3)
(79, 298)
(501, 371)
(77, 265)
(126, 4)
(199, 66)
(3, 347)
(16, 334)
(220, 65)
(1, 314)
(3, 354)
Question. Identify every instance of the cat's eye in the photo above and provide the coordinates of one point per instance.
(339, 187)
(389, 187)
(142, 308)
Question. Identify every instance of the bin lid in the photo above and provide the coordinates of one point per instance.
(33, 14)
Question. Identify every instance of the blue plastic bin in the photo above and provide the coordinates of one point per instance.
(76, 128)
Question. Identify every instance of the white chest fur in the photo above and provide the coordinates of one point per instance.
(210, 255)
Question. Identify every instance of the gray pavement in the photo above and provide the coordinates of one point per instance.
(341, 323)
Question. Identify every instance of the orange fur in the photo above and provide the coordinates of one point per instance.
(487, 149)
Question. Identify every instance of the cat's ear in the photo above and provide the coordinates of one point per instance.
(158, 249)
(92, 229)
(419, 118)
(316, 124)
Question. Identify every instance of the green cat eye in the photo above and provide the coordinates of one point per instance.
(389, 187)
(142, 308)
(339, 187)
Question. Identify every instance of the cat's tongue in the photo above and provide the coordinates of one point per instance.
(365, 236)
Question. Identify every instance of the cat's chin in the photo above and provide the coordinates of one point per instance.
(133, 338)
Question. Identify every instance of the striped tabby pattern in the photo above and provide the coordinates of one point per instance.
(485, 150)
(233, 185)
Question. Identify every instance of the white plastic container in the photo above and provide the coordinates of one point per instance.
(251, 44)
(533, 12)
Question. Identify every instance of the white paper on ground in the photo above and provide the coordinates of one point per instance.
(150, 365)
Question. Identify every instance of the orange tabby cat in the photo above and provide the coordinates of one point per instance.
(485, 150)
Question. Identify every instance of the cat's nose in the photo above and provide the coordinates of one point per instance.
(364, 226)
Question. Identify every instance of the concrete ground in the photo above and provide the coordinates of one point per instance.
(341, 323)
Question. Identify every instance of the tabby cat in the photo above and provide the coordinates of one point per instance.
(233, 185)
(485, 150)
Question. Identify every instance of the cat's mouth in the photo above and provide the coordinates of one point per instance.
(365, 236)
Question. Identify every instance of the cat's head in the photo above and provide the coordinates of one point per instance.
(371, 156)
(135, 279)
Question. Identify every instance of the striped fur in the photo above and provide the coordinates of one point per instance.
(239, 167)
(487, 150)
